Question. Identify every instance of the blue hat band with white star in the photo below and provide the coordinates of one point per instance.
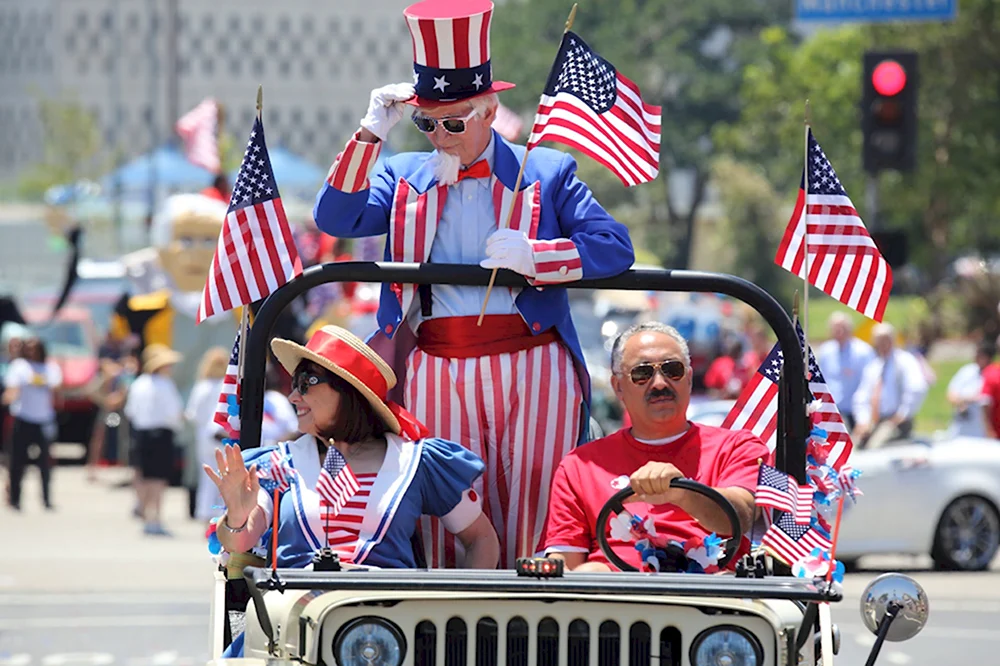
(451, 85)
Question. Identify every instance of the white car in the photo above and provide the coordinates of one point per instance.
(921, 496)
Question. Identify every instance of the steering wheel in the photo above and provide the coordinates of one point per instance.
(614, 504)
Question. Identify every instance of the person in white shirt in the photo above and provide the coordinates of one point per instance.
(842, 360)
(890, 393)
(155, 410)
(200, 413)
(965, 393)
(30, 385)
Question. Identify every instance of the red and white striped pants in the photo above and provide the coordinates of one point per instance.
(519, 412)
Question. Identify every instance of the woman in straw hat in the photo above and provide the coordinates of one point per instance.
(155, 410)
(360, 476)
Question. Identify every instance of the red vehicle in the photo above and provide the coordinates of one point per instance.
(72, 341)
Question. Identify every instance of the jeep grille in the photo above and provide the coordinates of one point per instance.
(544, 632)
(584, 645)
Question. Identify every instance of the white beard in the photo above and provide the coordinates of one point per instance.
(446, 167)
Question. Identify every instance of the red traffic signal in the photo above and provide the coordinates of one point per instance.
(889, 110)
(889, 78)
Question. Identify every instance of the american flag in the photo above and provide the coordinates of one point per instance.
(508, 123)
(843, 259)
(777, 490)
(790, 542)
(197, 129)
(590, 106)
(273, 473)
(756, 408)
(256, 253)
(230, 391)
(337, 483)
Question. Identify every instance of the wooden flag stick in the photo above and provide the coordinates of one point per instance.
(517, 187)
(836, 534)
(274, 530)
(245, 316)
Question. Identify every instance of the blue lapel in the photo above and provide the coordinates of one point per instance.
(423, 178)
(507, 162)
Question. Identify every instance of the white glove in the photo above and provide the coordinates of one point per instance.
(386, 108)
(511, 249)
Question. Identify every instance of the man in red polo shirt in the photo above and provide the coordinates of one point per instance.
(991, 396)
(651, 368)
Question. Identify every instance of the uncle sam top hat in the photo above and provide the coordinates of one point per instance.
(451, 50)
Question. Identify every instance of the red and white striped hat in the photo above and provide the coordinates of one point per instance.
(451, 50)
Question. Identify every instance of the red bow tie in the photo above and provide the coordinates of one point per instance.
(480, 169)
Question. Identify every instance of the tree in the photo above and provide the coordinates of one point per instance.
(685, 56)
(71, 143)
(751, 229)
(953, 198)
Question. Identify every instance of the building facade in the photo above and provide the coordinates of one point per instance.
(135, 65)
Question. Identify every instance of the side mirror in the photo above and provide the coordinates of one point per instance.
(901, 599)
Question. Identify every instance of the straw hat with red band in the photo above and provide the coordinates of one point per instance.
(345, 355)
(451, 51)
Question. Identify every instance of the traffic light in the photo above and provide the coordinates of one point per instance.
(893, 245)
(889, 110)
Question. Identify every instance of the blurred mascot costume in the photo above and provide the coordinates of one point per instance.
(166, 281)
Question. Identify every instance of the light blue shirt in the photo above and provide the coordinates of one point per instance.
(842, 366)
(967, 384)
(467, 220)
(903, 389)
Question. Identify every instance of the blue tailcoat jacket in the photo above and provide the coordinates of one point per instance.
(403, 199)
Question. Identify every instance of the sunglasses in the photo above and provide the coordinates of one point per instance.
(450, 125)
(642, 373)
(303, 379)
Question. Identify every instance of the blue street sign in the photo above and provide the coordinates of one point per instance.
(875, 11)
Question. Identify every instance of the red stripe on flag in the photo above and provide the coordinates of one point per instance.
(264, 219)
(235, 222)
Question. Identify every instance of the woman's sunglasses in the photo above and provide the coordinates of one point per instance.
(642, 373)
(303, 379)
(450, 125)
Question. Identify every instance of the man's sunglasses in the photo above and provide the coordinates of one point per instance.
(642, 373)
(450, 125)
(303, 379)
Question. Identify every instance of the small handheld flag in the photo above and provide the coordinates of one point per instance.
(590, 106)
(256, 253)
(843, 260)
(227, 410)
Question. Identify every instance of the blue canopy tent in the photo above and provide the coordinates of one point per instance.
(294, 174)
(297, 176)
(173, 172)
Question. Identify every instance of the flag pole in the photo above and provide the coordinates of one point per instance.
(517, 185)
(805, 246)
(245, 309)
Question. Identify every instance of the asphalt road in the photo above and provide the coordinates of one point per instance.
(137, 629)
(82, 586)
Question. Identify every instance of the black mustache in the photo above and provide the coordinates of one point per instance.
(665, 392)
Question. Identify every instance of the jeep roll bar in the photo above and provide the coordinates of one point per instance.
(790, 450)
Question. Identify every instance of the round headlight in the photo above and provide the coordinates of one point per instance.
(370, 641)
(726, 646)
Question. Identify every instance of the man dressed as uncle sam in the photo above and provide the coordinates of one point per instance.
(515, 389)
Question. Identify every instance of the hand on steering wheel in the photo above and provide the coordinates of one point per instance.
(614, 505)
